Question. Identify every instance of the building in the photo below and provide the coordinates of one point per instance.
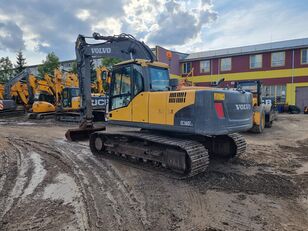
(66, 65)
(282, 68)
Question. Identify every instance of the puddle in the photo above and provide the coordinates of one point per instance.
(303, 169)
(26, 123)
(64, 189)
(38, 174)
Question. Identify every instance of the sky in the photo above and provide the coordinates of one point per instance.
(42, 26)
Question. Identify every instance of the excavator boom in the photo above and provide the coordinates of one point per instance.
(124, 47)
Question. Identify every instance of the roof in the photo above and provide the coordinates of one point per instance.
(265, 47)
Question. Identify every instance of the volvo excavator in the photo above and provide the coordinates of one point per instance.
(178, 129)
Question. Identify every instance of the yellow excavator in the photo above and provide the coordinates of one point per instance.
(180, 129)
(16, 98)
(69, 104)
(45, 97)
(102, 81)
(264, 112)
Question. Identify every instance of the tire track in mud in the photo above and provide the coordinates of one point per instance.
(14, 184)
(126, 209)
(109, 200)
(29, 192)
(99, 192)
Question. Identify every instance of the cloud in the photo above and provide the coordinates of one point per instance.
(11, 36)
(168, 22)
(54, 25)
(41, 27)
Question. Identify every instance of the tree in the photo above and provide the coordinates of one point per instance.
(109, 62)
(49, 65)
(6, 69)
(20, 62)
(74, 67)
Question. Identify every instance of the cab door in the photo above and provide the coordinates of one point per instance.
(120, 107)
(140, 108)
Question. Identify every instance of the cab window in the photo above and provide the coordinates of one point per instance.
(121, 89)
(138, 80)
(159, 79)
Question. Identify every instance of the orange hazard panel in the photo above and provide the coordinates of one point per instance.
(169, 54)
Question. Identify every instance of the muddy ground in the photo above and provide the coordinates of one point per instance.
(47, 183)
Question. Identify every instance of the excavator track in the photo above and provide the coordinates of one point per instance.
(184, 158)
(239, 142)
(224, 146)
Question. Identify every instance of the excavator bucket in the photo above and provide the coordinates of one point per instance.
(79, 134)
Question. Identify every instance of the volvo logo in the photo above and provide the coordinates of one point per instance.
(99, 50)
(243, 106)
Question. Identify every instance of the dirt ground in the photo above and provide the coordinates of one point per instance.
(47, 183)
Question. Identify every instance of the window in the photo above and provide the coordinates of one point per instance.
(225, 64)
(159, 79)
(278, 92)
(304, 56)
(205, 66)
(278, 59)
(186, 68)
(255, 61)
(138, 80)
(121, 88)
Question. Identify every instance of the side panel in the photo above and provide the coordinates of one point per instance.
(123, 113)
(140, 108)
(177, 101)
(157, 107)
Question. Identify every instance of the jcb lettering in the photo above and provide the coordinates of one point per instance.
(98, 102)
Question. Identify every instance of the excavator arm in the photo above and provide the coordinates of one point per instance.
(124, 47)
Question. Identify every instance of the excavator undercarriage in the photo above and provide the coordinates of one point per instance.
(182, 155)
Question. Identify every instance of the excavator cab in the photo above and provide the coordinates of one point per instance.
(71, 98)
(46, 97)
(44, 103)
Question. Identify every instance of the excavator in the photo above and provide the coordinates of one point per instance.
(176, 130)
(264, 112)
(44, 94)
(102, 80)
(15, 95)
(69, 104)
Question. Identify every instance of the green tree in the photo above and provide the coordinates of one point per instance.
(6, 69)
(109, 62)
(49, 65)
(20, 62)
(74, 67)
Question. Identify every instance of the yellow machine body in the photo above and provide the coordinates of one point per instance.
(42, 107)
(153, 108)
